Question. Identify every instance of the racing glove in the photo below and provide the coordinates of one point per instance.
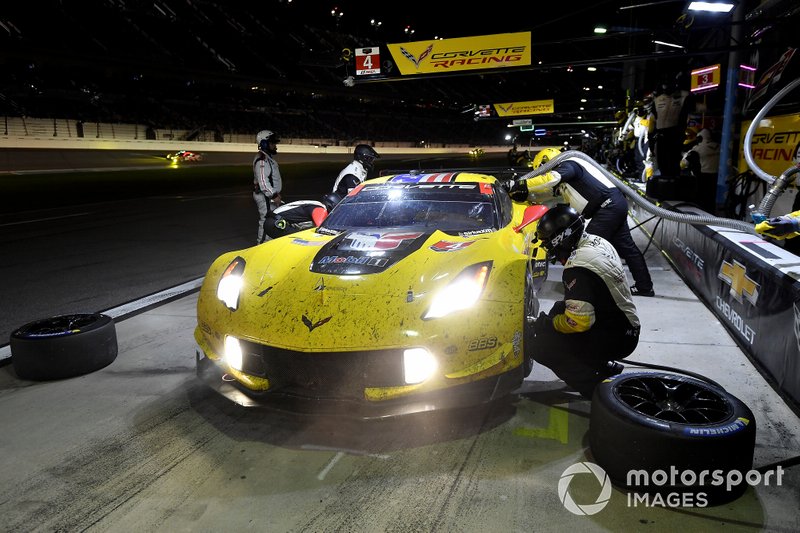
(558, 309)
(782, 227)
(542, 323)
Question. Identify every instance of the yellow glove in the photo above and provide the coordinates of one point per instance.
(543, 182)
(782, 227)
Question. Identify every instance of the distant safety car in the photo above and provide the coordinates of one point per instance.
(412, 295)
(184, 156)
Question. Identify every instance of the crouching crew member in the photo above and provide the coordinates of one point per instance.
(596, 323)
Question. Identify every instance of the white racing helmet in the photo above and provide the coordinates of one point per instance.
(264, 138)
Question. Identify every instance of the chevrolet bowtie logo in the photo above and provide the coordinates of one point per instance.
(735, 275)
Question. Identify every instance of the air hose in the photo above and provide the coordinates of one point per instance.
(637, 198)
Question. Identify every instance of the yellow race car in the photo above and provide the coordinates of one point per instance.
(414, 294)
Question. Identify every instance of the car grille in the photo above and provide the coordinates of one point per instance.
(325, 374)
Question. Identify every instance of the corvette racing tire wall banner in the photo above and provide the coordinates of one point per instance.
(757, 302)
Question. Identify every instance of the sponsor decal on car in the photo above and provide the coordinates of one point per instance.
(353, 260)
(484, 343)
(303, 242)
(475, 232)
(377, 242)
(448, 246)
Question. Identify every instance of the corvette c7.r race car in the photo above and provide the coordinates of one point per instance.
(182, 156)
(412, 295)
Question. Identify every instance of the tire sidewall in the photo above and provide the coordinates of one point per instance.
(623, 440)
(66, 354)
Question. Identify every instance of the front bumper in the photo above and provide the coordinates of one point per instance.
(465, 395)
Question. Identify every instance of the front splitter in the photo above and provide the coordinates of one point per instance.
(470, 394)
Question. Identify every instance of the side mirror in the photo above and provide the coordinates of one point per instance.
(532, 213)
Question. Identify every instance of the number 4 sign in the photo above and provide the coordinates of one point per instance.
(368, 61)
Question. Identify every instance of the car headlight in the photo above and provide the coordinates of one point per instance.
(233, 352)
(230, 284)
(462, 292)
(418, 365)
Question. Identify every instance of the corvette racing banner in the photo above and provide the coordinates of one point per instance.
(776, 144)
(517, 109)
(464, 53)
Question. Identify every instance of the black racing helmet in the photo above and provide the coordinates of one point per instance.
(559, 230)
(330, 200)
(366, 154)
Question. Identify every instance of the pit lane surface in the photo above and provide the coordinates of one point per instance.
(142, 445)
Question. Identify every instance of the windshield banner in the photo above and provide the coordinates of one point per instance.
(464, 53)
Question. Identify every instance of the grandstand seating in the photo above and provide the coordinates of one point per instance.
(207, 71)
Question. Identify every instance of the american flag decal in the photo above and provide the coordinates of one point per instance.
(438, 178)
(442, 177)
(371, 242)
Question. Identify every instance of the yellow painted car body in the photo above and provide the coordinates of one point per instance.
(326, 315)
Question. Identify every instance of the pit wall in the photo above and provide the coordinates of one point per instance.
(751, 285)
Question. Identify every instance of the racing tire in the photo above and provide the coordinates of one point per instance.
(63, 346)
(531, 312)
(662, 422)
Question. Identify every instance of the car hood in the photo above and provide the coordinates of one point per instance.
(363, 262)
(315, 292)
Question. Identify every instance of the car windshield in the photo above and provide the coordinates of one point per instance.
(451, 207)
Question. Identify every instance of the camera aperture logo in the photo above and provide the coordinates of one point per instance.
(602, 498)
(662, 488)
